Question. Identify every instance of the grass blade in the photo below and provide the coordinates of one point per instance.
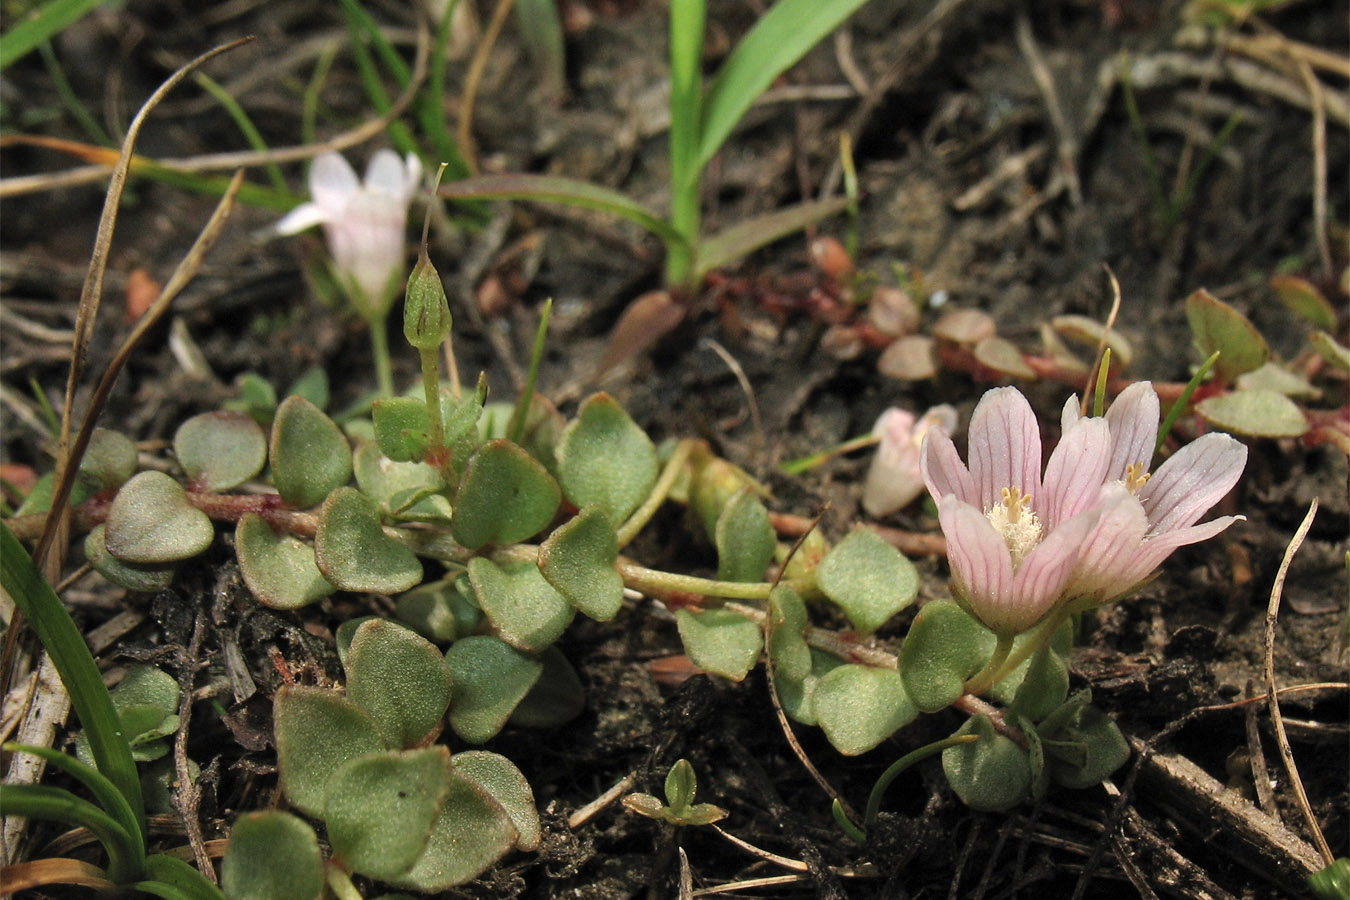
(64, 643)
(783, 36)
(50, 20)
(687, 21)
(568, 191)
(736, 241)
(37, 801)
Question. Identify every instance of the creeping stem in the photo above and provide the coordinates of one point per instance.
(643, 514)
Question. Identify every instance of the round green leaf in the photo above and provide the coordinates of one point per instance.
(720, 641)
(1273, 377)
(1002, 355)
(787, 643)
(401, 425)
(148, 579)
(278, 569)
(1303, 298)
(992, 773)
(795, 695)
(151, 521)
(1328, 349)
(110, 459)
(1085, 747)
(524, 609)
(868, 579)
(944, 647)
(860, 706)
(1217, 326)
(310, 456)
(220, 450)
(354, 553)
(471, 833)
(438, 612)
(381, 807)
(499, 777)
(392, 484)
(606, 460)
(491, 677)
(578, 559)
(400, 678)
(745, 539)
(504, 497)
(272, 856)
(1090, 332)
(316, 732)
(1255, 413)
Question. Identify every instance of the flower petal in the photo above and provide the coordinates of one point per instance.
(1195, 478)
(332, 182)
(1108, 556)
(980, 561)
(1074, 474)
(1005, 446)
(1133, 418)
(306, 215)
(1045, 573)
(386, 174)
(942, 469)
(1070, 414)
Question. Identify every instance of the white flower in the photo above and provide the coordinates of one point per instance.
(894, 479)
(364, 222)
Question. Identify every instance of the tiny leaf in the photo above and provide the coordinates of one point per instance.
(310, 456)
(1090, 332)
(278, 569)
(860, 706)
(745, 539)
(401, 425)
(524, 609)
(992, 773)
(1303, 298)
(720, 641)
(110, 459)
(1217, 326)
(556, 698)
(272, 855)
(491, 677)
(131, 576)
(1327, 348)
(606, 460)
(1002, 355)
(868, 579)
(499, 777)
(787, 642)
(400, 678)
(437, 612)
(578, 560)
(471, 833)
(220, 450)
(944, 647)
(1255, 413)
(504, 497)
(355, 554)
(316, 732)
(151, 521)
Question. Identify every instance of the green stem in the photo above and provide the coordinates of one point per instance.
(1038, 639)
(379, 347)
(643, 514)
(431, 387)
(845, 823)
(900, 765)
(340, 883)
(651, 581)
(987, 677)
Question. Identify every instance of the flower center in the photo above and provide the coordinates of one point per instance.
(1136, 477)
(1015, 521)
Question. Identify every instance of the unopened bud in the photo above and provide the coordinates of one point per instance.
(426, 311)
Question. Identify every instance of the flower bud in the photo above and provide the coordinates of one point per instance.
(426, 311)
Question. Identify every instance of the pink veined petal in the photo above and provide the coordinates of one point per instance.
(1108, 554)
(979, 558)
(1195, 478)
(306, 215)
(1073, 476)
(332, 183)
(942, 470)
(1005, 446)
(1046, 570)
(1133, 418)
(385, 174)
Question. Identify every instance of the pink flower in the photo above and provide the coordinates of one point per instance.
(1144, 517)
(1092, 527)
(363, 222)
(894, 479)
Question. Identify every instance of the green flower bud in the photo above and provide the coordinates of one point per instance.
(426, 311)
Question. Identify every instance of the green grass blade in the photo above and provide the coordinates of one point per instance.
(105, 793)
(359, 26)
(173, 879)
(1184, 400)
(431, 106)
(732, 243)
(687, 21)
(568, 191)
(37, 801)
(71, 100)
(540, 24)
(50, 20)
(516, 427)
(783, 36)
(242, 122)
(64, 643)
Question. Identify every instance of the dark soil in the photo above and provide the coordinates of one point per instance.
(953, 102)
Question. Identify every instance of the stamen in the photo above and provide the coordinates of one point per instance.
(1136, 477)
(1014, 519)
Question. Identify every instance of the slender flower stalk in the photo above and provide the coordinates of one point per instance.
(1088, 529)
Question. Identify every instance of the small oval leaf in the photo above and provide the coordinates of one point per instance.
(499, 777)
(220, 450)
(400, 678)
(1217, 326)
(860, 706)
(524, 609)
(310, 456)
(1255, 413)
(151, 521)
(491, 677)
(606, 460)
(505, 497)
(578, 560)
(868, 578)
(147, 579)
(278, 569)
(720, 641)
(992, 773)
(944, 647)
(316, 732)
(272, 856)
(354, 553)
(745, 539)
(471, 833)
